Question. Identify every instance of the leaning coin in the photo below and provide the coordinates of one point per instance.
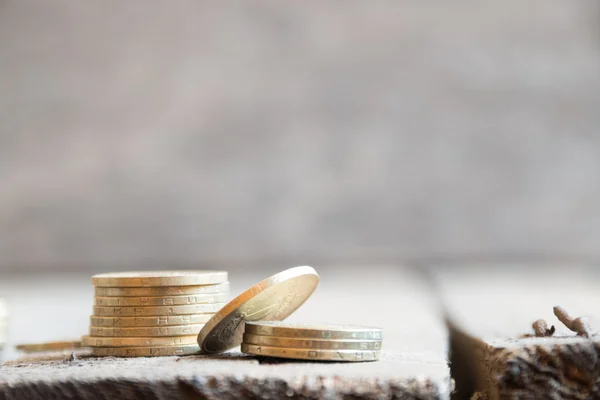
(282, 329)
(159, 278)
(150, 321)
(161, 290)
(161, 301)
(152, 351)
(49, 346)
(147, 331)
(309, 354)
(272, 341)
(156, 311)
(103, 341)
(271, 299)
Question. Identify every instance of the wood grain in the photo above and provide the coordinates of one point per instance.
(489, 312)
(413, 363)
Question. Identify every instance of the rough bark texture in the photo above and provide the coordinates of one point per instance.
(413, 365)
(490, 357)
(560, 368)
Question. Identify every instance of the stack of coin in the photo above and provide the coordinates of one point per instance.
(142, 314)
(312, 342)
(3, 325)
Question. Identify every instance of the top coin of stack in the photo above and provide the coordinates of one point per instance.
(312, 342)
(140, 314)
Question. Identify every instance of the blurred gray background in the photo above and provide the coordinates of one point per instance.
(196, 134)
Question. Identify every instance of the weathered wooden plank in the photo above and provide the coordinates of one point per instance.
(398, 300)
(490, 309)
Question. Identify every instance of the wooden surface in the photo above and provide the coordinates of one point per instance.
(398, 300)
(490, 310)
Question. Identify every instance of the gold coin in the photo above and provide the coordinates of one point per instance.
(98, 341)
(340, 332)
(157, 311)
(272, 341)
(160, 301)
(153, 351)
(161, 291)
(150, 321)
(159, 278)
(312, 354)
(182, 330)
(49, 346)
(274, 298)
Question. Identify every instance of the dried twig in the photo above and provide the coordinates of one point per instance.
(540, 327)
(578, 325)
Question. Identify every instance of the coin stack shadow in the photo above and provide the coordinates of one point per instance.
(3, 325)
(312, 342)
(146, 321)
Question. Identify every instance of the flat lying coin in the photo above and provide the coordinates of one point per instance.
(179, 350)
(308, 354)
(97, 341)
(161, 301)
(274, 298)
(159, 278)
(147, 331)
(156, 311)
(150, 321)
(161, 290)
(272, 341)
(49, 346)
(282, 329)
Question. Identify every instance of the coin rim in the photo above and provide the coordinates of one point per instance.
(248, 295)
(120, 350)
(153, 278)
(86, 340)
(253, 339)
(138, 298)
(216, 288)
(193, 326)
(155, 310)
(312, 331)
(208, 317)
(58, 345)
(245, 349)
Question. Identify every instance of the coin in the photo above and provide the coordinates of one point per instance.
(97, 341)
(310, 354)
(159, 278)
(272, 341)
(156, 351)
(161, 301)
(150, 321)
(147, 331)
(282, 329)
(156, 311)
(49, 346)
(274, 298)
(161, 291)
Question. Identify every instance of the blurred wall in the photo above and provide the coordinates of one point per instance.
(161, 134)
